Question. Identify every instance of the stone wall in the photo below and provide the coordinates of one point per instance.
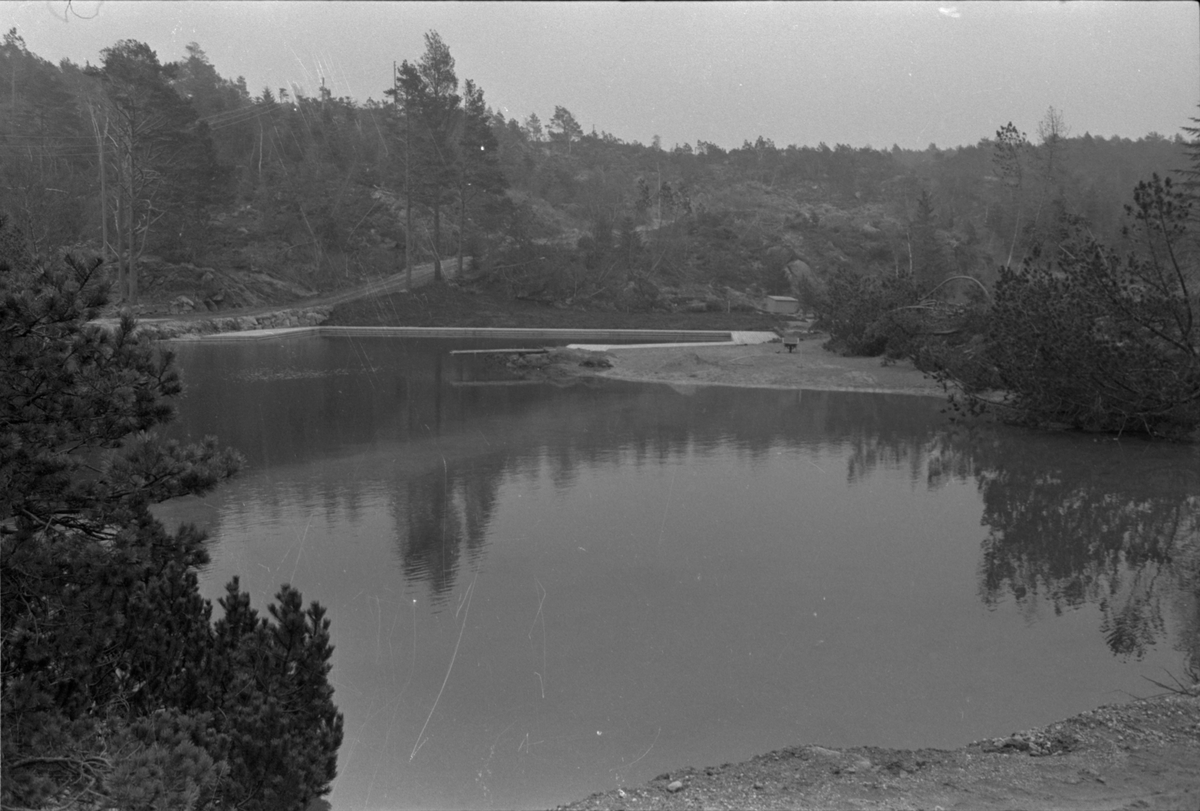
(279, 319)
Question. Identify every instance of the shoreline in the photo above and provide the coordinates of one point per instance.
(748, 361)
(1144, 754)
(765, 365)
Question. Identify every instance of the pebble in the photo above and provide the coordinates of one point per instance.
(674, 786)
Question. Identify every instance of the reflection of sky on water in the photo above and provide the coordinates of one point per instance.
(539, 592)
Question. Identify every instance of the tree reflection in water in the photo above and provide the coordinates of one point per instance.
(1070, 520)
(1073, 520)
(442, 514)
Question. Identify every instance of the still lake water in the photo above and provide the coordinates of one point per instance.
(542, 591)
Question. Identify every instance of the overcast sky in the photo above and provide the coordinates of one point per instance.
(860, 73)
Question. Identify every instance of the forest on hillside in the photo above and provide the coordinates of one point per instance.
(184, 179)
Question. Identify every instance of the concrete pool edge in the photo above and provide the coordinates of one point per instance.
(656, 338)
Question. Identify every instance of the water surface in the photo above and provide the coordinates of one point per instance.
(542, 591)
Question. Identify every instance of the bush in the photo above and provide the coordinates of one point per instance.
(113, 683)
(862, 314)
(1100, 342)
(960, 355)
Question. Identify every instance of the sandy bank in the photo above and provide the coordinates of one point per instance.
(767, 366)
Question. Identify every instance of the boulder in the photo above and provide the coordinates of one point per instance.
(796, 271)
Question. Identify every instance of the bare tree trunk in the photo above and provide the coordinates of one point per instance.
(119, 230)
(408, 224)
(658, 170)
(1012, 247)
(100, 137)
(130, 266)
(437, 241)
(408, 251)
(462, 213)
(316, 242)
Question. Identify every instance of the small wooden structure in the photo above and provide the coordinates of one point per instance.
(781, 304)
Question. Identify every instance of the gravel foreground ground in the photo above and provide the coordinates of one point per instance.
(1141, 755)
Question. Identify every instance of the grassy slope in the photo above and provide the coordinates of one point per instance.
(443, 305)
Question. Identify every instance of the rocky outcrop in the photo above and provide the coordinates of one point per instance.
(279, 319)
(185, 287)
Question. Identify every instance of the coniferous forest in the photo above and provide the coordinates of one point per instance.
(191, 182)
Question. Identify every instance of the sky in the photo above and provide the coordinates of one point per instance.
(858, 73)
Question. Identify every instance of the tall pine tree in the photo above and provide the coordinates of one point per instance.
(478, 159)
(157, 158)
(429, 93)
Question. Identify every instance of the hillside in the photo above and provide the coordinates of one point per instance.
(268, 199)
